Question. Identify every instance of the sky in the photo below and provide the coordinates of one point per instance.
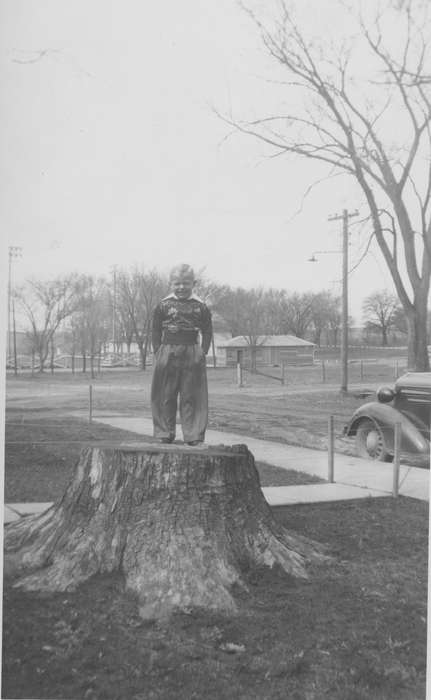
(113, 154)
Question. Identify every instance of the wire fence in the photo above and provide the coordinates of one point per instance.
(323, 372)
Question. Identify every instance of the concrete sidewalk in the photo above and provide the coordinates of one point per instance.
(355, 478)
(361, 474)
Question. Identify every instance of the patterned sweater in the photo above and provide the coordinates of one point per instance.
(176, 316)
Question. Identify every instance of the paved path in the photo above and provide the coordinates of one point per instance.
(355, 478)
(349, 471)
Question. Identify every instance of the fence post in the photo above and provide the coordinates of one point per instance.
(283, 373)
(362, 371)
(323, 372)
(239, 374)
(396, 371)
(397, 457)
(90, 406)
(331, 449)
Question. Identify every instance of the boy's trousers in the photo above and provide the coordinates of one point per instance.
(180, 370)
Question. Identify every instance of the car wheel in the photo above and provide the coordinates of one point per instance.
(370, 442)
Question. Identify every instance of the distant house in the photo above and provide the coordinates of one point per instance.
(270, 350)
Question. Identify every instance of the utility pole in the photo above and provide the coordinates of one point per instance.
(15, 362)
(114, 306)
(344, 217)
(15, 251)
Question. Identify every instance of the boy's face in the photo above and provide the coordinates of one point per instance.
(182, 286)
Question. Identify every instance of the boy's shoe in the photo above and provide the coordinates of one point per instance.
(193, 443)
(166, 441)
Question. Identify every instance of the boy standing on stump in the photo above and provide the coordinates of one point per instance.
(179, 360)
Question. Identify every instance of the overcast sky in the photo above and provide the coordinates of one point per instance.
(112, 153)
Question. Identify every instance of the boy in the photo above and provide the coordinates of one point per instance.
(179, 361)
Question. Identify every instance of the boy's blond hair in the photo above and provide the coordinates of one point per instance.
(182, 270)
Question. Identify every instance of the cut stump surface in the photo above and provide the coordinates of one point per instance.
(181, 523)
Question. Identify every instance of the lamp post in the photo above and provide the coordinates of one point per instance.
(14, 251)
(344, 350)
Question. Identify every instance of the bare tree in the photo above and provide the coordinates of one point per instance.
(353, 92)
(211, 293)
(298, 313)
(325, 310)
(275, 311)
(90, 321)
(45, 304)
(138, 294)
(334, 321)
(380, 309)
(244, 310)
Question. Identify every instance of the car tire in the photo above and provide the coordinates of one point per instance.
(370, 442)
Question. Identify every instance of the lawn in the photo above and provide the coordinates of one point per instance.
(263, 408)
(354, 631)
(42, 451)
(295, 414)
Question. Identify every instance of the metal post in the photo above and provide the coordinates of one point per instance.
(396, 371)
(397, 458)
(323, 372)
(90, 413)
(283, 373)
(331, 449)
(362, 371)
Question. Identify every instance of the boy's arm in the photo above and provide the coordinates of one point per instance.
(156, 332)
(206, 329)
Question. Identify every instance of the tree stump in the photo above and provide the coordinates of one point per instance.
(181, 523)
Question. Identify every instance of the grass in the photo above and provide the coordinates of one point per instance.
(296, 415)
(354, 632)
(262, 408)
(41, 453)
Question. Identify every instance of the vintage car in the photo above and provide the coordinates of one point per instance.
(409, 404)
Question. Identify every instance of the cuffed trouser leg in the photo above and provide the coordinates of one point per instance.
(180, 369)
(164, 392)
(194, 395)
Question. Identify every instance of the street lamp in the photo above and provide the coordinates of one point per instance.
(321, 252)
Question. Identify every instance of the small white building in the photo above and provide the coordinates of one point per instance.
(273, 350)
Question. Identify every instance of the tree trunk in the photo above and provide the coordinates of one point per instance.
(182, 525)
(213, 352)
(141, 353)
(253, 359)
(52, 355)
(417, 349)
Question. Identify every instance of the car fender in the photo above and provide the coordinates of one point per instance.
(386, 417)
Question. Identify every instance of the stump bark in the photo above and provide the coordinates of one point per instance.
(182, 524)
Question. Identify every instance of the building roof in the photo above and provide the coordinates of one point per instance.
(279, 341)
